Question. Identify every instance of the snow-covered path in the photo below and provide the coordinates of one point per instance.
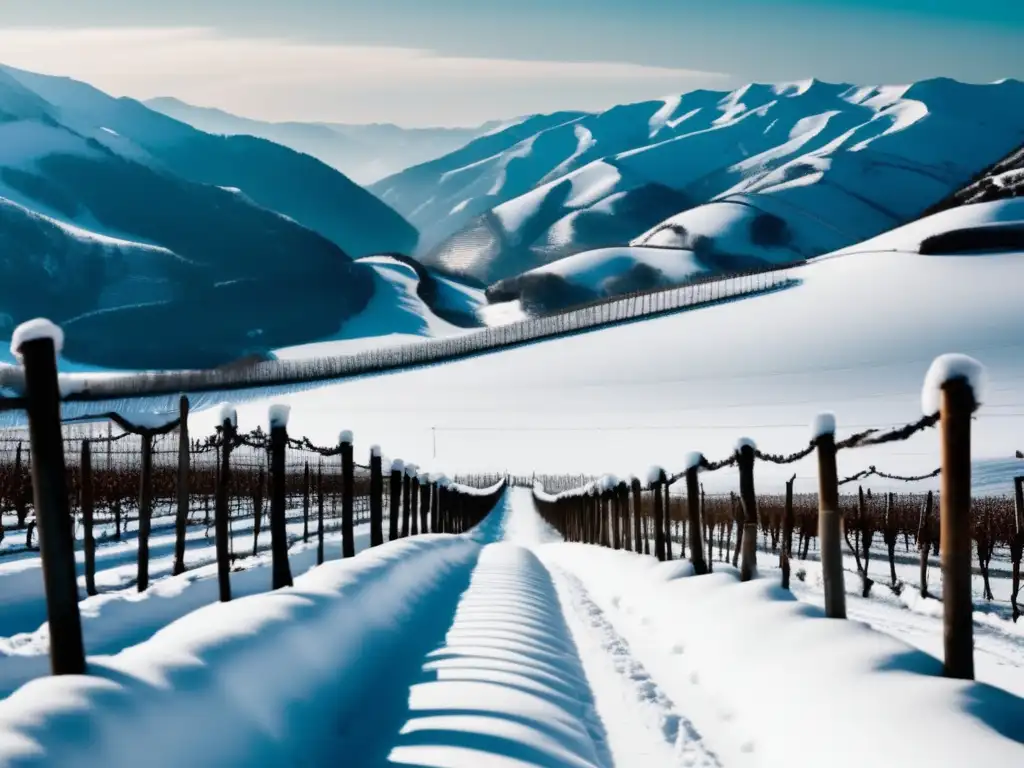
(532, 672)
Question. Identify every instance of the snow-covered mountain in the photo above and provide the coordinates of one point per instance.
(767, 172)
(364, 153)
(122, 223)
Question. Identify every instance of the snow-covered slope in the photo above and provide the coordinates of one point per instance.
(396, 314)
(273, 176)
(855, 336)
(364, 153)
(123, 224)
(1002, 180)
(765, 172)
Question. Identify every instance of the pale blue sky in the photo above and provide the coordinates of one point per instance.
(465, 61)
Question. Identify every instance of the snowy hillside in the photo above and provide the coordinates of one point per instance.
(121, 224)
(273, 176)
(364, 153)
(854, 336)
(766, 172)
(397, 313)
(1002, 180)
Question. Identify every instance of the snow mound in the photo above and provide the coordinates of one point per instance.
(249, 681)
(949, 368)
(745, 442)
(31, 330)
(823, 424)
(228, 414)
(278, 415)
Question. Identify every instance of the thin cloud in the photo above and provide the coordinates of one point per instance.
(202, 64)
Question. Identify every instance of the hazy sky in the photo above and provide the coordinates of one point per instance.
(433, 62)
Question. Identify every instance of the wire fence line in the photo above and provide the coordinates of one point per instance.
(121, 390)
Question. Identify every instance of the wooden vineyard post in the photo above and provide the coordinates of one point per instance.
(424, 504)
(414, 502)
(830, 521)
(348, 540)
(957, 401)
(667, 517)
(693, 515)
(435, 506)
(257, 510)
(220, 511)
(281, 575)
(395, 498)
(145, 510)
(748, 502)
(376, 497)
(637, 493)
(37, 345)
(1017, 544)
(88, 506)
(924, 541)
(305, 501)
(623, 494)
(655, 478)
(788, 522)
(320, 514)
(181, 520)
(406, 500)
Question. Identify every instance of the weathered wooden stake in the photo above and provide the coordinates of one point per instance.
(88, 506)
(659, 519)
(788, 521)
(956, 406)
(50, 498)
(748, 501)
(320, 515)
(305, 501)
(394, 500)
(406, 502)
(348, 539)
(830, 528)
(281, 574)
(145, 510)
(184, 464)
(637, 492)
(414, 504)
(924, 542)
(435, 507)
(220, 510)
(257, 510)
(668, 521)
(1017, 545)
(424, 504)
(693, 513)
(376, 498)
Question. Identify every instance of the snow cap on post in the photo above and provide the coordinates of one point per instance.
(948, 368)
(655, 474)
(279, 415)
(397, 465)
(228, 414)
(411, 470)
(692, 460)
(375, 451)
(423, 477)
(40, 328)
(345, 436)
(608, 482)
(823, 424)
(745, 442)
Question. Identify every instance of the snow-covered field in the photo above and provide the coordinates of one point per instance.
(854, 336)
(506, 647)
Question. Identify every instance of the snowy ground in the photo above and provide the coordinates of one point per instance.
(506, 647)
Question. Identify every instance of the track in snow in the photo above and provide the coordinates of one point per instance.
(531, 671)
